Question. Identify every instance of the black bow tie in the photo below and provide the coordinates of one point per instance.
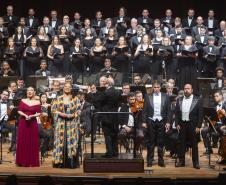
(187, 97)
(4, 102)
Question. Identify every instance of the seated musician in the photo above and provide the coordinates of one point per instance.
(45, 127)
(126, 121)
(6, 106)
(218, 125)
(85, 116)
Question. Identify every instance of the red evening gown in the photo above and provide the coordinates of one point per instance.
(27, 149)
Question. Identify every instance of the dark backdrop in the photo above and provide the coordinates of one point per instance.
(87, 8)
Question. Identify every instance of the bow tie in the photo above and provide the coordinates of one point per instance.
(3, 102)
(187, 97)
(156, 94)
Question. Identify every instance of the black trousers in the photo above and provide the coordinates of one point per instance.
(155, 137)
(111, 140)
(6, 127)
(188, 134)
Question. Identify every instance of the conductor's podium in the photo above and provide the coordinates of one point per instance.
(124, 163)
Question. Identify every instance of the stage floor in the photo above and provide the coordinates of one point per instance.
(156, 172)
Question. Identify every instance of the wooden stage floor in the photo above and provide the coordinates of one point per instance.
(157, 172)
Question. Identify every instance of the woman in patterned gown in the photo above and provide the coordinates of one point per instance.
(66, 110)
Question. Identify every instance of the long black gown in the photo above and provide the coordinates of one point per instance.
(187, 68)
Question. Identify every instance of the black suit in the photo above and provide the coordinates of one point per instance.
(215, 25)
(218, 33)
(57, 25)
(34, 26)
(147, 23)
(109, 121)
(209, 66)
(95, 23)
(85, 117)
(186, 24)
(155, 128)
(11, 23)
(187, 128)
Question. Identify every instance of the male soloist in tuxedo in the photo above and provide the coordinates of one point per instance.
(188, 119)
(156, 118)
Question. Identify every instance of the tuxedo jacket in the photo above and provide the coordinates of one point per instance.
(8, 103)
(94, 22)
(35, 23)
(215, 50)
(185, 22)
(148, 111)
(218, 33)
(51, 31)
(198, 39)
(195, 113)
(171, 22)
(195, 31)
(215, 23)
(14, 20)
(57, 25)
(85, 117)
(216, 84)
(148, 25)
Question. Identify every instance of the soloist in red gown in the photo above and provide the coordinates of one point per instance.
(27, 149)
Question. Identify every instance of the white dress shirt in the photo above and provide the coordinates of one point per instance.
(53, 23)
(3, 111)
(210, 23)
(186, 105)
(157, 107)
(202, 39)
(31, 22)
(130, 122)
(189, 21)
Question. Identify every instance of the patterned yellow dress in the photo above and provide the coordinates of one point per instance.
(66, 133)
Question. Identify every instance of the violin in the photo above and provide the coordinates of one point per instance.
(46, 121)
(220, 115)
(137, 106)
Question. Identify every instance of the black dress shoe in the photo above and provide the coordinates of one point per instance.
(149, 164)
(180, 164)
(196, 166)
(161, 164)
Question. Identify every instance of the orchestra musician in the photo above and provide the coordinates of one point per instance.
(6, 106)
(126, 121)
(218, 121)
